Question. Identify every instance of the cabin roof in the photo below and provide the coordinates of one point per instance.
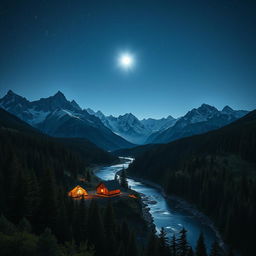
(77, 191)
(78, 187)
(71, 187)
(111, 184)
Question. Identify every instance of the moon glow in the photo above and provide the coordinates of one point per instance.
(126, 61)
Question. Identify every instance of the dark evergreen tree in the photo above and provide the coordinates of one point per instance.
(163, 243)
(190, 251)
(96, 229)
(152, 246)
(85, 250)
(230, 252)
(88, 176)
(132, 246)
(215, 249)
(70, 247)
(2, 190)
(110, 229)
(121, 249)
(63, 228)
(173, 246)
(16, 190)
(182, 244)
(6, 226)
(124, 235)
(48, 210)
(200, 247)
(125, 232)
(24, 226)
(31, 199)
(123, 179)
(47, 244)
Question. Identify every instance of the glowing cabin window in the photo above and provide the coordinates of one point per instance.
(101, 190)
(79, 191)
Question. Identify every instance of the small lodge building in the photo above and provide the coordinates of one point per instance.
(108, 188)
(78, 192)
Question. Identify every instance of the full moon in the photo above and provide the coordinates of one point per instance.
(126, 61)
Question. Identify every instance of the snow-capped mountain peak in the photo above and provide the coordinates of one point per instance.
(205, 108)
(90, 111)
(59, 94)
(75, 105)
(10, 97)
(201, 114)
(227, 109)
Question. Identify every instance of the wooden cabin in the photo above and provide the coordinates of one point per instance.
(78, 192)
(108, 188)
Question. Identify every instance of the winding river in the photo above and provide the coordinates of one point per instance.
(173, 215)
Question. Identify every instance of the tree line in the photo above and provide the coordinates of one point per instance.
(104, 237)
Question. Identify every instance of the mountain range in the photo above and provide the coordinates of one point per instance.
(197, 121)
(155, 131)
(59, 117)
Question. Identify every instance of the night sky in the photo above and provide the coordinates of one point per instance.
(186, 53)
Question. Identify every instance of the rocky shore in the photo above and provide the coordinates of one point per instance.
(184, 205)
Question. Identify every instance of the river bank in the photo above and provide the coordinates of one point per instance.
(185, 205)
(146, 215)
(162, 210)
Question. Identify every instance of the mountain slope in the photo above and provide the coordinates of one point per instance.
(9, 121)
(216, 171)
(197, 121)
(156, 125)
(12, 126)
(59, 117)
(127, 126)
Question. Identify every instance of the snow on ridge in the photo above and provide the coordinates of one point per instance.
(38, 116)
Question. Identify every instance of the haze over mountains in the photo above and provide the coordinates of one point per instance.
(60, 117)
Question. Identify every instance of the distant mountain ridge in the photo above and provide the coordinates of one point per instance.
(59, 117)
(127, 126)
(197, 121)
(148, 131)
(159, 124)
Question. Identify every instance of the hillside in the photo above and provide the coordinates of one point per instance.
(216, 171)
(22, 136)
(135, 151)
